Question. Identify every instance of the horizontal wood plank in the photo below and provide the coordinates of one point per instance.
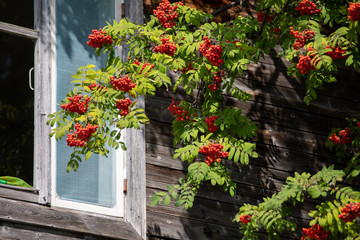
(170, 227)
(64, 220)
(19, 193)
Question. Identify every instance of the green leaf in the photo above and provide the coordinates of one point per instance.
(87, 155)
(167, 200)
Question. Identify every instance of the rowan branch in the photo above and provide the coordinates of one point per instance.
(228, 6)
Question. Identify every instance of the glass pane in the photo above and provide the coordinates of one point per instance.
(16, 108)
(95, 180)
(18, 12)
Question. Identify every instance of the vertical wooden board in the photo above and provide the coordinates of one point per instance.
(43, 78)
(135, 199)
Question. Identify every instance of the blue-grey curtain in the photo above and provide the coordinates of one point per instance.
(94, 182)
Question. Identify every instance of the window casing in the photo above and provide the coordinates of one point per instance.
(62, 27)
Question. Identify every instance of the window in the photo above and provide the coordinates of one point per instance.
(97, 184)
(60, 51)
(16, 93)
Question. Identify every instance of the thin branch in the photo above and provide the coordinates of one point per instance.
(262, 26)
(228, 6)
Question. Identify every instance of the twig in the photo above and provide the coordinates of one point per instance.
(262, 26)
(226, 7)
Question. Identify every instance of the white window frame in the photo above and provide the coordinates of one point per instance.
(118, 209)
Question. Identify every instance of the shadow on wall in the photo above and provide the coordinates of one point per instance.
(71, 29)
(291, 137)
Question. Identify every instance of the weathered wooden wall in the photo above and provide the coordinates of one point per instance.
(291, 137)
(209, 6)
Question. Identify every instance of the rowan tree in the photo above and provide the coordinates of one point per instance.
(318, 37)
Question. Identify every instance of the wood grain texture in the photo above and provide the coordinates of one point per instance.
(19, 193)
(291, 137)
(182, 228)
(65, 221)
(135, 205)
(19, 31)
(44, 54)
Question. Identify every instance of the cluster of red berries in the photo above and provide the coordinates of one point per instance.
(210, 121)
(301, 37)
(315, 232)
(138, 63)
(358, 124)
(354, 11)
(261, 17)
(245, 219)
(167, 13)
(187, 68)
(99, 38)
(124, 106)
(75, 105)
(304, 65)
(213, 152)
(180, 112)
(350, 212)
(277, 30)
(344, 137)
(211, 52)
(94, 85)
(307, 7)
(81, 136)
(216, 80)
(123, 84)
(336, 53)
(233, 42)
(166, 47)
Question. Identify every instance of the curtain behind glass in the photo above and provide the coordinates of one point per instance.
(94, 182)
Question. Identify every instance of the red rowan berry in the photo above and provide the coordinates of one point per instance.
(166, 47)
(301, 37)
(187, 68)
(214, 153)
(307, 7)
(99, 38)
(211, 52)
(245, 219)
(123, 84)
(138, 63)
(304, 65)
(335, 139)
(336, 53)
(124, 106)
(180, 112)
(315, 232)
(98, 87)
(354, 11)
(81, 136)
(343, 138)
(167, 13)
(350, 212)
(261, 17)
(210, 121)
(75, 105)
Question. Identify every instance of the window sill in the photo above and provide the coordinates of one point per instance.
(64, 221)
(19, 193)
